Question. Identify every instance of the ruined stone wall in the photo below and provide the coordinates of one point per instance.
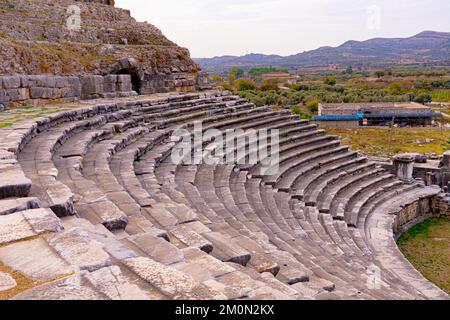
(36, 89)
(33, 89)
(418, 211)
(442, 203)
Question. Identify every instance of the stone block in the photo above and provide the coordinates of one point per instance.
(76, 247)
(12, 94)
(10, 82)
(124, 83)
(171, 282)
(49, 81)
(10, 206)
(91, 86)
(40, 93)
(61, 82)
(36, 260)
(24, 94)
(74, 84)
(27, 224)
(110, 83)
(13, 183)
(34, 81)
(7, 282)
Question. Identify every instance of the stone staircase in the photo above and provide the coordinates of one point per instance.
(92, 207)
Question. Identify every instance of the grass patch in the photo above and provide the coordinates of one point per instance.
(5, 125)
(441, 95)
(374, 141)
(427, 247)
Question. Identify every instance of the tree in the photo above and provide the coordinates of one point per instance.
(244, 85)
(397, 88)
(300, 87)
(269, 85)
(234, 74)
(331, 81)
(349, 70)
(380, 74)
(313, 105)
(423, 98)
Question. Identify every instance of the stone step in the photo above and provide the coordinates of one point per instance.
(27, 224)
(155, 248)
(171, 282)
(103, 284)
(12, 205)
(310, 189)
(225, 250)
(13, 182)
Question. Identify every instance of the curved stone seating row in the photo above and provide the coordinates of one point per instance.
(97, 202)
(141, 270)
(215, 242)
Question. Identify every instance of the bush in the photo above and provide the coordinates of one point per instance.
(244, 85)
(397, 88)
(379, 74)
(226, 86)
(300, 87)
(331, 81)
(313, 105)
(270, 85)
(296, 110)
(216, 78)
(423, 98)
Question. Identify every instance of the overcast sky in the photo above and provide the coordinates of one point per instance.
(236, 27)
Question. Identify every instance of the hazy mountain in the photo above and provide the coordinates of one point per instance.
(425, 48)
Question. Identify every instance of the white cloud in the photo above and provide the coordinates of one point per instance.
(218, 27)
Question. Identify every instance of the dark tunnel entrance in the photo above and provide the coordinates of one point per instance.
(136, 82)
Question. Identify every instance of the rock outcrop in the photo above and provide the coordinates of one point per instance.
(90, 37)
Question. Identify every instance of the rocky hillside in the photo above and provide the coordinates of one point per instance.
(426, 48)
(35, 39)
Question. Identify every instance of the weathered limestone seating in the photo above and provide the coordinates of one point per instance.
(91, 197)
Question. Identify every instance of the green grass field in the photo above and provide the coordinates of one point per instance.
(373, 141)
(441, 95)
(427, 247)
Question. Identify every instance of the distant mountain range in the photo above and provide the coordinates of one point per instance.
(426, 48)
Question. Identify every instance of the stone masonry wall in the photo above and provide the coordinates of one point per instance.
(32, 88)
(417, 212)
(35, 89)
(442, 203)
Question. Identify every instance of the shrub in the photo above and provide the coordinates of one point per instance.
(398, 88)
(300, 87)
(226, 86)
(296, 110)
(244, 85)
(379, 74)
(423, 98)
(313, 105)
(331, 81)
(270, 85)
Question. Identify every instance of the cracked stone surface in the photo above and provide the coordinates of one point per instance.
(6, 282)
